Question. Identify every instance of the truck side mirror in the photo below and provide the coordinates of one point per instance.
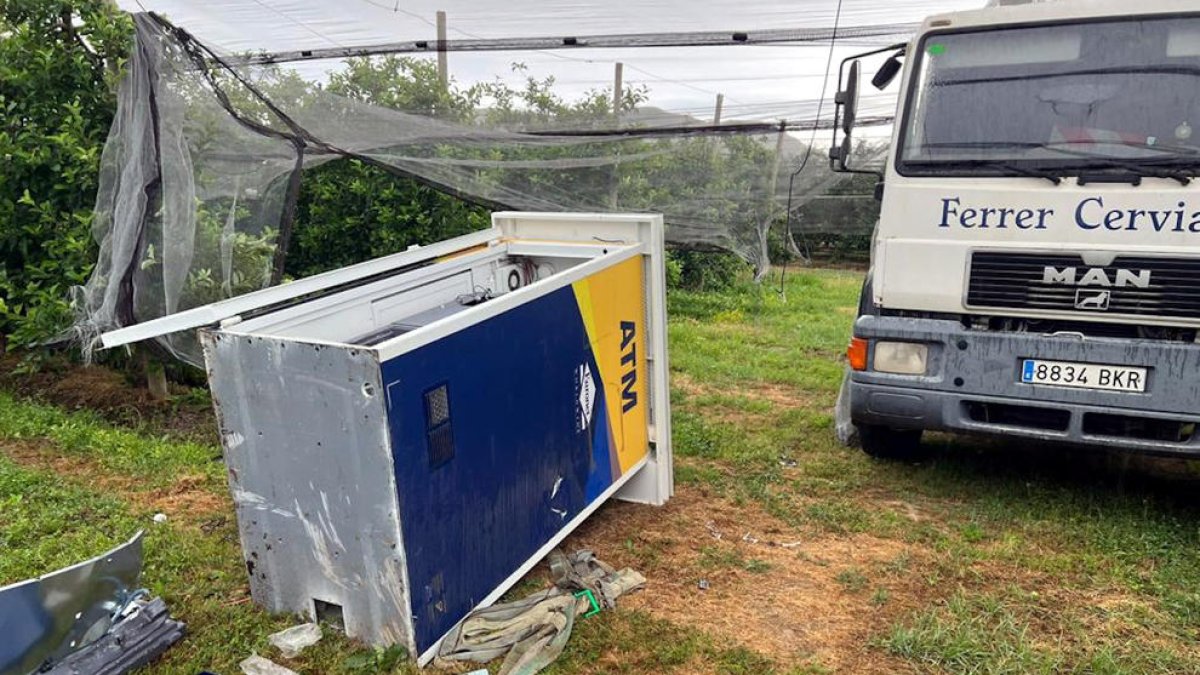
(887, 71)
(846, 102)
(848, 98)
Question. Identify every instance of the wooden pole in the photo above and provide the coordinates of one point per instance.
(443, 67)
(617, 73)
(615, 177)
(717, 112)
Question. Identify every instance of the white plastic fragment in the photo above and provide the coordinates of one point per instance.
(160, 517)
(292, 641)
(257, 665)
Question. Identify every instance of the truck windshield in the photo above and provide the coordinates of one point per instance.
(1121, 94)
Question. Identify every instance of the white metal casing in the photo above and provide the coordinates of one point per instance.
(313, 417)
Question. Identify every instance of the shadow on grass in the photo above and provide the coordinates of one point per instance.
(1097, 471)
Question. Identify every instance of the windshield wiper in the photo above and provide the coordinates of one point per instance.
(1150, 167)
(1139, 170)
(1147, 168)
(1005, 167)
(1027, 171)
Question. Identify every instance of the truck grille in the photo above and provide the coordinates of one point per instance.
(1017, 281)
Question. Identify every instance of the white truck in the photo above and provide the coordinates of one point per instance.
(1036, 266)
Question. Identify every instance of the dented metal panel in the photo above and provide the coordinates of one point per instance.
(45, 619)
(304, 431)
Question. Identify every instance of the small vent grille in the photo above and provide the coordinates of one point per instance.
(438, 431)
(1031, 417)
(437, 406)
(1130, 285)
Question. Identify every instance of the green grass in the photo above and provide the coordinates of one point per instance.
(976, 635)
(1015, 558)
(999, 635)
(120, 451)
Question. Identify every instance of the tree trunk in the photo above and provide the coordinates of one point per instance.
(794, 250)
(763, 265)
(156, 376)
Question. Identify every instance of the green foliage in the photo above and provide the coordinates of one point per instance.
(59, 60)
(704, 270)
(250, 258)
(350, 212)
(838, 226)
(377, 659)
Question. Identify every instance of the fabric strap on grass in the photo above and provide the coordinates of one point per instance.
(531, 633)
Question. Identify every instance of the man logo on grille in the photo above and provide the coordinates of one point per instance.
(1096, 301)
(1096, 276)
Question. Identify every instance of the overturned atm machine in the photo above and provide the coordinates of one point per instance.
(406, 437)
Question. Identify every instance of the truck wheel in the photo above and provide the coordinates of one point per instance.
(884, 443)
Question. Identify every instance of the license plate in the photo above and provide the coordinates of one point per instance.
(1083, 375)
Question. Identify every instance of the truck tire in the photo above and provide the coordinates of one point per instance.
(886, 443)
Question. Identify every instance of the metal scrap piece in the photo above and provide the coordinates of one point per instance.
(138, 638)
(42, 620)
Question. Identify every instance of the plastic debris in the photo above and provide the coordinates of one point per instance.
(530, 633)
(257, 665)
(143, 632)
(712, 529)
(292, 641)
(160, 517)
(703, 584)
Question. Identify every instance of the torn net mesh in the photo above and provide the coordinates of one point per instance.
(202, 168)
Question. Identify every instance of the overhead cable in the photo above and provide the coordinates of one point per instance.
(614, 41)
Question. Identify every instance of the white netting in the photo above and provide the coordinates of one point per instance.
(202, 169)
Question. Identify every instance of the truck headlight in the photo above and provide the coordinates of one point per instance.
(902, 358)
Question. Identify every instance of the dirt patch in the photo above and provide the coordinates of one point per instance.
(780, 397)
(112, 395)
(768, 588)
(188, 498)
(689, 386)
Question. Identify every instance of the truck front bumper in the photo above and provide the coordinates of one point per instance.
(972, 385)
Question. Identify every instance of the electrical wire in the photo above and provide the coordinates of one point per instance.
(837, 17)
(561, 57)
(297, 22)
(396, 10)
